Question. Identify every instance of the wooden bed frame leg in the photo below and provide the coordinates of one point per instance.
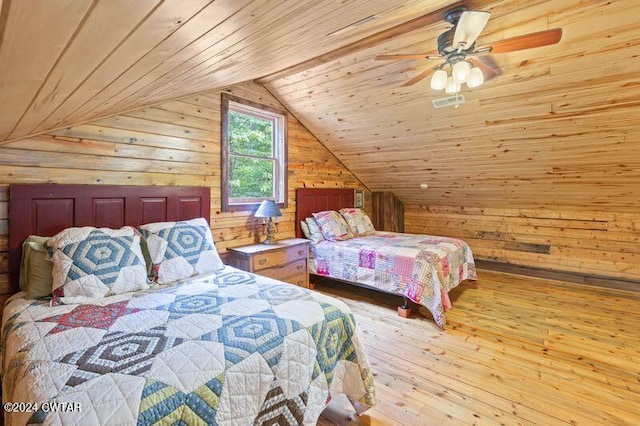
(312, 282)
(405, 310)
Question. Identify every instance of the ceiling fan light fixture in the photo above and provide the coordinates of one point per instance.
(476, 77)
(452, 86)
(457, 50)
(461, 71)
(439, 80)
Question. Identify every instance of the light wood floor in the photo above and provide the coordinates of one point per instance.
(517, 350)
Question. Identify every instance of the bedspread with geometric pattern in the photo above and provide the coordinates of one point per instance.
(231, 348)
(421, 267)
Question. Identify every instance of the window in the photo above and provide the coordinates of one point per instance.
(254, 154)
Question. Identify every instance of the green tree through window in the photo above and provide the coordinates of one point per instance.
(254, 154)
(251, 157)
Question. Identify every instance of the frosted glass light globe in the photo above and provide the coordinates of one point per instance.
(461, 71)
(476, 78)
(452, 87)
(439, 80)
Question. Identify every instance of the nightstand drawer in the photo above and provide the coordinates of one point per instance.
(285, 261)
(279, 257)
(287, 270)
(299, 280)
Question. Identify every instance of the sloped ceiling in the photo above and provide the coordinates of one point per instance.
(63, 62)
(558, 127)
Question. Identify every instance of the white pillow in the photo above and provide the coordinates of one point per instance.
(315, 234)
(305, 229)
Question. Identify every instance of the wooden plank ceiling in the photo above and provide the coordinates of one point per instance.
(557, 127)
(65, 62)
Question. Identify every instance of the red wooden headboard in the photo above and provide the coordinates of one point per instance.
(47, 209)
(313, 200)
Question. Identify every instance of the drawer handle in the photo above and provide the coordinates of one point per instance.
(300, 252)
(262, 261)
(300, 267)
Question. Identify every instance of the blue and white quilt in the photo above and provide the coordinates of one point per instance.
(229, 349)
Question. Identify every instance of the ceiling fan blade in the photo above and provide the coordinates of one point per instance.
(419, 77)
(527, 41)
(397, 57)
(469, 27)
(489, 68)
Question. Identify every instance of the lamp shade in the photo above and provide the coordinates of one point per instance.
(439, 80)
(476, 78)
(268, 208)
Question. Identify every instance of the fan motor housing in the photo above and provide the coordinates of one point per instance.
(445, 41)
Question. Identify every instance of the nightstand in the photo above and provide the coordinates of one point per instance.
(284, 261)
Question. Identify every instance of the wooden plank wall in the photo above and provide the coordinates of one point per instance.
(388, 212)
(174, 143)
(585, 242)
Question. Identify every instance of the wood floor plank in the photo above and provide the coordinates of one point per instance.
(516, 350)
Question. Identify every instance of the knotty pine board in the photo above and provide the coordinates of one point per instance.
(97, 59)
(596, 243)
(173, 144)
(557, 129)
(516, 350)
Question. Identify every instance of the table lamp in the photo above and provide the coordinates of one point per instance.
(268, 209)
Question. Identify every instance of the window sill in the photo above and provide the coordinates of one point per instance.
(248, 207)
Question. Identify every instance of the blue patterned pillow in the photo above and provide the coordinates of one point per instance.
(95, 262)
(181, 249)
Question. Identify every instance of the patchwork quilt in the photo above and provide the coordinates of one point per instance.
(229, 349)
(420, 267)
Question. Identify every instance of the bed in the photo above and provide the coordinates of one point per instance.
(420, 268)
(228, 347)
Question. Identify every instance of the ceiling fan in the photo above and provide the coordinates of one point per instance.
(457, 49)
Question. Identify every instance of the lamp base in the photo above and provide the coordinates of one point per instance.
(271, 233)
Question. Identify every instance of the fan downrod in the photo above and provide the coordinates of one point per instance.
(452, 16)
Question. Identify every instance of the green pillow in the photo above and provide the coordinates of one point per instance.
(36, 272)
(147, 256)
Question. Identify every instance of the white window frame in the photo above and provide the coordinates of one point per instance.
(278, 119)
